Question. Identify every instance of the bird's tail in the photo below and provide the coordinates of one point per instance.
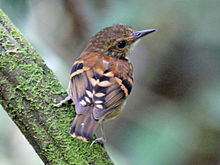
(83, 126)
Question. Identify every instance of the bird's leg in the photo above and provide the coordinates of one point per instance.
(101, 139)
(67, 99)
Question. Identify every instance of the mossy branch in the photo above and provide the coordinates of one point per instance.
(29, 89)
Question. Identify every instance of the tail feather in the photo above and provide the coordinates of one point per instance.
(83, 126)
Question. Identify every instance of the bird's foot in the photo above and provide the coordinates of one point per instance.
(67, 99)
(99, 140)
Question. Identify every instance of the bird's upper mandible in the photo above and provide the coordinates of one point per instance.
(102, 76)
(115, 41)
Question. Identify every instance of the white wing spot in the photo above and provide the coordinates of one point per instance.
(98, 101)
(82, 102)
(89, 93)
(93, 81)
(99, 106)
(99, 94)
(104, 83)
(87, 99)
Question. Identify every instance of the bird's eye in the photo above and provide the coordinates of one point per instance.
(121, 44)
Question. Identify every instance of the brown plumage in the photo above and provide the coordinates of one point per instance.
(101, 78)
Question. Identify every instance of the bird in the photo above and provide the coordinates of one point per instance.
(101, 79)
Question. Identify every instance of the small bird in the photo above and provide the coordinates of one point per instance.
(101, 79)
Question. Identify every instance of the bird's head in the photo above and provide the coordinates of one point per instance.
(116, 40)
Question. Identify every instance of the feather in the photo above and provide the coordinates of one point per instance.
(98, 89)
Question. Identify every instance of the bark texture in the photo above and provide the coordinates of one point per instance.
(28, 91)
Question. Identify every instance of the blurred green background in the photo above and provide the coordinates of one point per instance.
(173, 114)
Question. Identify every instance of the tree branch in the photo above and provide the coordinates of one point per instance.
(28, 91)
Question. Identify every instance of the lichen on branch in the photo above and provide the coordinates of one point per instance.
(28, 91)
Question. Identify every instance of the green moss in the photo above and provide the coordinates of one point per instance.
(29, 90)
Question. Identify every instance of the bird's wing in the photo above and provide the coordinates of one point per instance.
(100, 81)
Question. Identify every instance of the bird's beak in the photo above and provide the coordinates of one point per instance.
(139, 34)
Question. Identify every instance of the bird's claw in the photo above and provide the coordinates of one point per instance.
(68, 98)
(99, 140)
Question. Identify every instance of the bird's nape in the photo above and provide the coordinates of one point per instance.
(102, 78)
